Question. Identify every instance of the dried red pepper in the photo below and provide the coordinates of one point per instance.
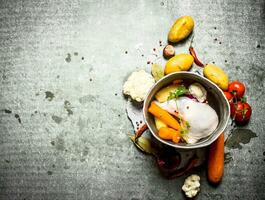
(194, 55)
(196, 60)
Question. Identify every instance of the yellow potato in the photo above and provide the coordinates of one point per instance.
(164, 93)
(159, 124)
(181, 62)
(216, 75)
(181, 29)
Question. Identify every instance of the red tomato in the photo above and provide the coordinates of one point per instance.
(228, 96)
(236, 88)
(241, 111)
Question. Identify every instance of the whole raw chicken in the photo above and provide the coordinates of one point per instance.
(201, 117)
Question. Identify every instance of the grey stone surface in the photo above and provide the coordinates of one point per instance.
(62, 66)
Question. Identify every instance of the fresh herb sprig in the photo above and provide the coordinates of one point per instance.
(180, 90)
(184, 127)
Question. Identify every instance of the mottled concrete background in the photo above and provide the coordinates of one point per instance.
(63, 127)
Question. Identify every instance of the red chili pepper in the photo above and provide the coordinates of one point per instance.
(196, 60)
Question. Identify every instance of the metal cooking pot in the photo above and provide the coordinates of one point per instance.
(216, 99)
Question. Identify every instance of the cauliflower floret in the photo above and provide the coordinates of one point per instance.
(191, 185)
(138, 85)
(198, 91)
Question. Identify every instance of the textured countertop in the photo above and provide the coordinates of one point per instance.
(63, 126)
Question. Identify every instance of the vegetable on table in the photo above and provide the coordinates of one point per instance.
(241, 112)
(216, 75)
(157, 71)
(164, 116)
(237, 89)
(168, 51)
(169, 134)
(180, 62)
(138, 84)
(194, 55)
(191, 186)
(216, 160)
(196, 59)
(229, 96)
(143, 144)
(181, 29)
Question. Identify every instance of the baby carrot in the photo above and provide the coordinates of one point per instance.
(164, 133)
(164, 116)
(169, 134)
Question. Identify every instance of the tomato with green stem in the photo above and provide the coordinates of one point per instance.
(237, 89)
(241, 112)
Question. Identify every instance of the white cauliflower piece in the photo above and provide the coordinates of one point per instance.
(191, 185)
(198, 91)
(138, 85)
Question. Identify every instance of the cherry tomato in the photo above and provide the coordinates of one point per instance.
(241, 112)
(237, 88)
(228, 96)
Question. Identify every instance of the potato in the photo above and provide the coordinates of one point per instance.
(216, 75)
(181, 29)
(163, 94)
(180, 62)
(159, 124)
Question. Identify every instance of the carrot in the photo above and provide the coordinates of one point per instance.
(165, 133)
(176, 137)
(169, 134)
(216, 160)
(164, 116)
